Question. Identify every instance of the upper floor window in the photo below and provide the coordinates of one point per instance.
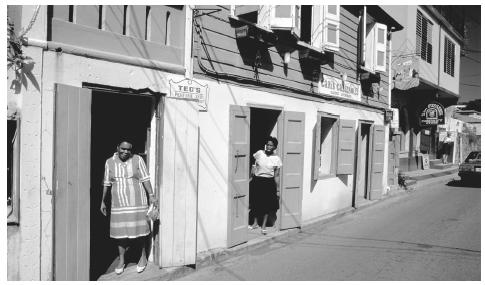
(424, 37)
(449, 58)
(320, 26)
(375, 46)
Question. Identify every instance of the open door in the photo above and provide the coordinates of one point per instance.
(239, 140)
(292, 170)
(377, 162)
(72, 182)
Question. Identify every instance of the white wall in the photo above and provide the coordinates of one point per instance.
(323, 198)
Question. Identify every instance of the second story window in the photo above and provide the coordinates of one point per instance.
(424, 37)
(320, 26)
(449, 58)
(375, 46)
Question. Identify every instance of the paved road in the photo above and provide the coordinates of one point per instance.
(428, 234)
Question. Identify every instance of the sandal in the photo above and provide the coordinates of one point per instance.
(253, 227)
(263, 231)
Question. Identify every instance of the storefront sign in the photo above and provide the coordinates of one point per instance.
(432, 114)
(191, 90)
(405, 72)
(425, 161)
(329, 85)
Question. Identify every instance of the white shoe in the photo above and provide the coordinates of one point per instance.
(140, 269)
(120, 270)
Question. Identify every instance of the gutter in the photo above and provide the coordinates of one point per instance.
(113, 57)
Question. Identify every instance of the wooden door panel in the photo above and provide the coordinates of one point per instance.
(292, 169)
(239, 140)
(72, 176)
(377, 164)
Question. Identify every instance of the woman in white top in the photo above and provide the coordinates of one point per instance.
(264, 194)
(447, 147)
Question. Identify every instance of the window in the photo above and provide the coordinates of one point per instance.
(12, 170)
(375, 47)
(424, 36)
(286, 17)
(334, 146)
(449, 59)
(326, 140)
(320, 26)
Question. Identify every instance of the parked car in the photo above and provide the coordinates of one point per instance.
(470, 170)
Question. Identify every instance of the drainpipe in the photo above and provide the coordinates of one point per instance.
(390, 69)
(364, 32)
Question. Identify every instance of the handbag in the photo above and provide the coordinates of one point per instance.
(153, 212)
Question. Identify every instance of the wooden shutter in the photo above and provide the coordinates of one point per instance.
(380, 44)
(317, 27)
(239, 139)
(377, 162)
(286, 17)
(369, 47)
(331, 26)
(292, 169)
(317, 147)
(264, 16)
(72, 165)
(346, 147)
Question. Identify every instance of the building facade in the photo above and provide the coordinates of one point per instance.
(197, 89)
(426, 71)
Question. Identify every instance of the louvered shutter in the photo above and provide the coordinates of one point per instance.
(380, 44)
(317, 148)
(419, 32)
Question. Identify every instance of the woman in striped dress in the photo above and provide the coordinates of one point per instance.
(127, 177)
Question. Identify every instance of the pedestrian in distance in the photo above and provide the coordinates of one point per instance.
(127, 178)
(264, 194)
(447, 147)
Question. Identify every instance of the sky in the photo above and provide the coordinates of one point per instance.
(470, 64)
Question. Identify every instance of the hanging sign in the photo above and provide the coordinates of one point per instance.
(329, 85)
(405, 71)
(191, 90)
(432, 114)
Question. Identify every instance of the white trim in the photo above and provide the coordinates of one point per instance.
(331, 19)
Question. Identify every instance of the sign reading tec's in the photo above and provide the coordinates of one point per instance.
(329, 85)
(432, 114)
(191, 90)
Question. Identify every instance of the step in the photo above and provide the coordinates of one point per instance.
(442, 166)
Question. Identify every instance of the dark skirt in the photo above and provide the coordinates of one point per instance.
(262, 195)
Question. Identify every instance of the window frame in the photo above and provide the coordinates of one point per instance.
(449, 68)
(13, 215)
(330, 18)
(317, 175)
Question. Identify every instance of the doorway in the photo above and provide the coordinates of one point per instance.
(115, 116)
(361, 183)
(264, 123)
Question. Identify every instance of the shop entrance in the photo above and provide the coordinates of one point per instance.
(264, 123)
(361, 185)
(115, 117)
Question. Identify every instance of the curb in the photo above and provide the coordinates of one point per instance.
(215, 256)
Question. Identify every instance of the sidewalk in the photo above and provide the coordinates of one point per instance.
(153, 273)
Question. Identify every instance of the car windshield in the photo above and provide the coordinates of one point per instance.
(474, 155)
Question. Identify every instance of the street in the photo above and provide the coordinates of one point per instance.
(428, 234)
